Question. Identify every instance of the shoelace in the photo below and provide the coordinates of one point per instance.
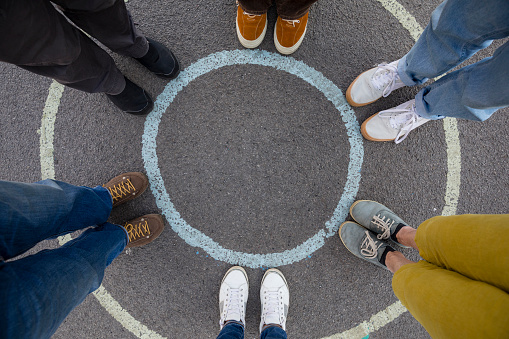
(234, 304)
(122, 189)
(403, 119)
(272, 305)
(384, 224)
(137, 231)
(293, 22)
(251, 16)
(385, 77)
(369, 248)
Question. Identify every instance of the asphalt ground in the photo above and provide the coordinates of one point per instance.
(256, 159)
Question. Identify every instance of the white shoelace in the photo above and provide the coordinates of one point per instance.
(234, 305)
(293, 22)
(273, 305)
(369, 249)
(403, 119)
(251, 16)
(384, 224)
(385, 78)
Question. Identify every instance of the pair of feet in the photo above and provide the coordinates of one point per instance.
(160, 61)
(288, 34)
(390, 125)
(274, 297)
(128, 186)
(376, 227)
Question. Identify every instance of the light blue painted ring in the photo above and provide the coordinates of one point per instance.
(195, 237)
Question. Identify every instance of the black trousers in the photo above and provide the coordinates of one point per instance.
(286, 9)
(36, 37)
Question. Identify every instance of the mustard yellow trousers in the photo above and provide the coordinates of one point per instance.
(461, 290)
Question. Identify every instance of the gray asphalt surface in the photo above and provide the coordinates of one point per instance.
(256, 159)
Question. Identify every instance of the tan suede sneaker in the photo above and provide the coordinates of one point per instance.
(144, 230)
(288, 34)
(251, 28)
(126, 186)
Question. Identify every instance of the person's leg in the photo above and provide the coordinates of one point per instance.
(109, 22)
(38, 291)
(255, 6)
(52, 47)
(450, 305)
(474, 92)
(457, 30)
(273, 332)
(472, 245)
(293, 9)
(232, 330)
(34, 212)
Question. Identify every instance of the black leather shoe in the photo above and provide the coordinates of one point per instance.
(133, 99)
(160, 60)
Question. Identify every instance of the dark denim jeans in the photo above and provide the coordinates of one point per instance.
(37, 292)
(236, 331)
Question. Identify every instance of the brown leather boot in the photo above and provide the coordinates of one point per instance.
(288, 34)
(251, 28)
(144, 230)
(126, 186)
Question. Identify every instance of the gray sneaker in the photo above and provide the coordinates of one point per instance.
(362, 243)
(377, 218)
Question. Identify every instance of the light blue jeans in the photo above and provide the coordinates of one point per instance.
(457, 30)
(236, 331)
(37, 292)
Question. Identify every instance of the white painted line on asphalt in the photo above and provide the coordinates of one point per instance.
(47, 130)
(362, 330)
(195, 237)
(404, 17)
(123, 317)
(374, 323)
(452, 191)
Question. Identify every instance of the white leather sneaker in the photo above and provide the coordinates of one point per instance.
(233, 296)
(393, 124)
(275, 299)
(373, 84)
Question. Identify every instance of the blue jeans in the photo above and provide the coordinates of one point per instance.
(457, 30)
(236, 331)
(37, 292)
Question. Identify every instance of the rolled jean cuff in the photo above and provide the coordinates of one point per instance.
(405, 78)
(421, 106)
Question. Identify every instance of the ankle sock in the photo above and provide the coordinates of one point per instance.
(398, 228)
(384, 255)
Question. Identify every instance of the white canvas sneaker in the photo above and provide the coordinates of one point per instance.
(275, 299)
(392, 124)
(373, 84)
(233, 296)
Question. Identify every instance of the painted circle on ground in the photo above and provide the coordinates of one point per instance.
(363, 329)
(196, 238)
